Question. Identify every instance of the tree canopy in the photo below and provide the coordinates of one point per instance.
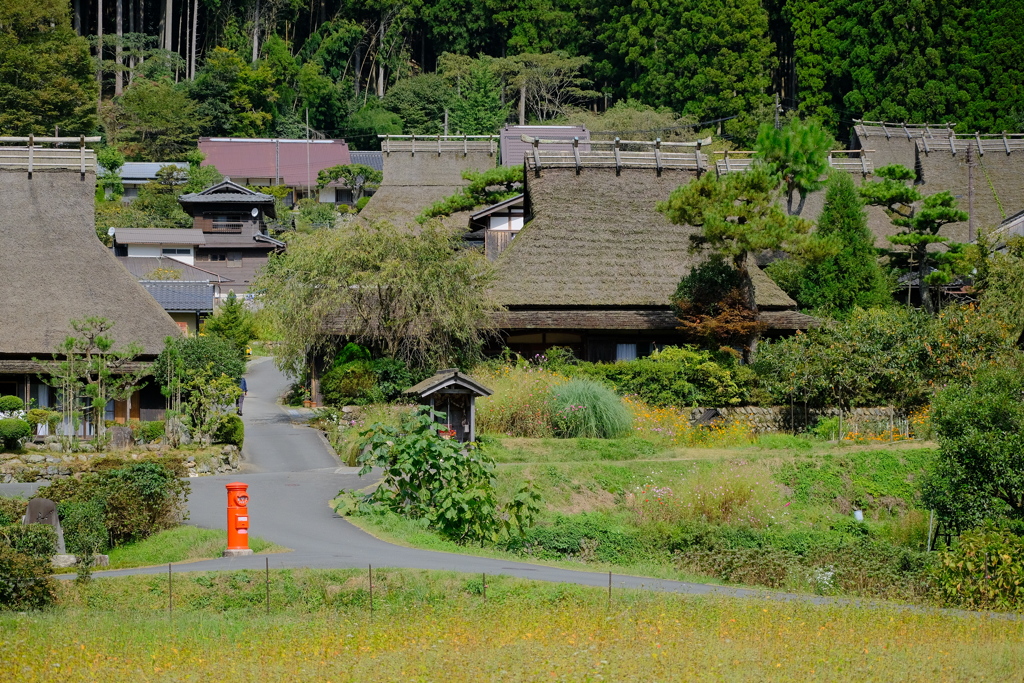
(418, 298)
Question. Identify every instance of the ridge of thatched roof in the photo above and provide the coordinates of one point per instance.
(415, 181)
(598, 240)
(55, 269)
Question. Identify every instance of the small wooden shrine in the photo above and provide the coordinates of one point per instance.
(454, 394)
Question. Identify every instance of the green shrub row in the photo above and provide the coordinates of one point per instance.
(847, 558)
(672, 376)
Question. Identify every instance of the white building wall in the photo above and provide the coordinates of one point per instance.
(327, 195)
(144, 250)
(506, 223)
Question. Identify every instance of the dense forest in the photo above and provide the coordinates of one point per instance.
(168, 71)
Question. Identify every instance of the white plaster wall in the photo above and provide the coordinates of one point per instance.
(503, 223)
(144, 250)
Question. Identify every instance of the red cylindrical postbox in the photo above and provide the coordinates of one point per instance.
(238, 520)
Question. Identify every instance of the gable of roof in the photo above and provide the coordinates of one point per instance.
(295, 162)
(513, 148)
(56, 270)
(187, 236)
(445, 379)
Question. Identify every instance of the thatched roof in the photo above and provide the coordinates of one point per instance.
(446, 379)
(597, 240)
(413, 182)
(55, 269)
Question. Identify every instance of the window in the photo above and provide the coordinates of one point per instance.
(234, 259)
(625, 352)
(215, 256)
(176, 251)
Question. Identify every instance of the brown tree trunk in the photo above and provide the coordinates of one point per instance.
(522, 103)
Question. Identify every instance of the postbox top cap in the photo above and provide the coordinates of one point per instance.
(236, 485)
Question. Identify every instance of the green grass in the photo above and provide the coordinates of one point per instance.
(431, 626)
(181, 544)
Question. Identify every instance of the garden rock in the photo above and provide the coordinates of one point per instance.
(65, 561)
(54, 446)
(35, 458)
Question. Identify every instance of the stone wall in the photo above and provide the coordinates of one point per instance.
(44, 462)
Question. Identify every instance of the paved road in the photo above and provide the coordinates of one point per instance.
(292, 473)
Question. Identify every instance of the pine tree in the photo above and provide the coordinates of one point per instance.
(233, 322)
(851, 277)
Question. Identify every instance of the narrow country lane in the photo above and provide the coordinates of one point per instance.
(292, 474)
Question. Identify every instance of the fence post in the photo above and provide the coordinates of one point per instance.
(371, 590)
(267, 559)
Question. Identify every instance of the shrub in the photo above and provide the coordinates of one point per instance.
(148, 432)
(9, 404)
(12, 431)
(138, 499)
(25, 581)
(672, 376)
(231, 430)
(35, 540)
(12, 510)
(584, 408)
(348, 384)
(979, 472)
(985, 570)
(585, 537)
(443, 483)
(392, 378)
(84, 526)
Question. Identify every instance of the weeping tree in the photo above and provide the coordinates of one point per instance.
(417, 298)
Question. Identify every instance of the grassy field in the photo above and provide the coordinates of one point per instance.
(182, 544)
(439, 626)
(781, 508)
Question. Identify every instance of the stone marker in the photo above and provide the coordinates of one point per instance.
(44, 511)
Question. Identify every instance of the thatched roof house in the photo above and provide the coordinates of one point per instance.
(55, 270)
(419, 171)
(595, 267)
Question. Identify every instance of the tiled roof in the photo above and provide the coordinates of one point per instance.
(188, 236)
(143, 171)
(296, 162)
(142, 266)
(181, 296)
(374, 160)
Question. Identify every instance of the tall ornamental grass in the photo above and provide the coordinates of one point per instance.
(522, 401)
(588, 409)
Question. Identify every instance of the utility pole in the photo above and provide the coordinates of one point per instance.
(446, 121)
(309, 188)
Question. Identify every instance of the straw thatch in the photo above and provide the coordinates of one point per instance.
(597, 240)
(413, 182)
(894, 143)
(998, 184)
(54, 269)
